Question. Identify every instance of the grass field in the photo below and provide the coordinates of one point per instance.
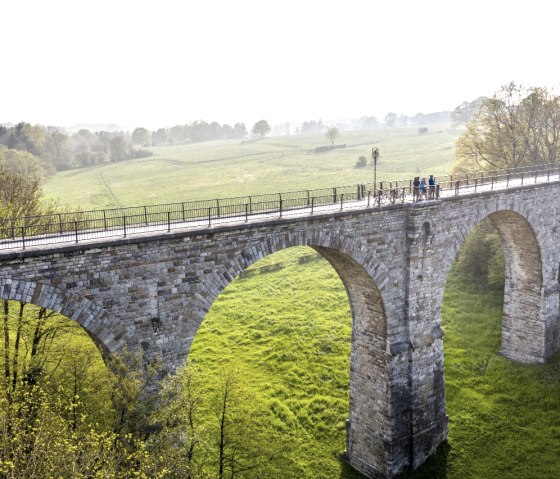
(232, 168)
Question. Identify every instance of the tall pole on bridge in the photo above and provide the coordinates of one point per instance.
(374, 156)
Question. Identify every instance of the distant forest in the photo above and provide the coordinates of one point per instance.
(59, 150)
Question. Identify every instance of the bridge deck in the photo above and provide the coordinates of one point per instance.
(384, 199)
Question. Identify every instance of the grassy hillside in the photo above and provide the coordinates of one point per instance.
(288, 331)
(233, 168)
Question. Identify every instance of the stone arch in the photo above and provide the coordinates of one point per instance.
(91, 316)
(370, 425)
(522, 324)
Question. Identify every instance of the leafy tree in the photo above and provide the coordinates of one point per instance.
(141, 136)
(391, 119)
(160, 137)
(332, 134)
(21, 187)
(463, 113)
(119, 148)
(481, 258)
(516, 127)
(260, 128)
(239, 130)
(312, 126)
(369, 122)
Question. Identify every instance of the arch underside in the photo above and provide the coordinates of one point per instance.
(524, 335)
(89, 315)
(369, 427)
(369, 380)
(522, 324)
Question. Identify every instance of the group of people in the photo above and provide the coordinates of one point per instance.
(422, 190)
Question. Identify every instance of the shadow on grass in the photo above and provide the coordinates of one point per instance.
(434, 468)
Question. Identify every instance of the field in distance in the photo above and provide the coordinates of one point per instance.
(221, 169)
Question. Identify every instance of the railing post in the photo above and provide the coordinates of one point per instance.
(368, 198)
(438, 188)
(218, 208)
(358, 191)
(209, 215)
(146, 215)
(492, 185)
(308, 197)
(481, 178)
(280, 207)
(23, 237)
(104, 220)
(341, 201)
(124, 225)
(183, 210)
(467, 179)
(76, 229)
(403, 194)
(475, 184)
(379, 197)
(334, 195)
(168, 221)
(312, 204)
(250, 205)
(246, 212)
(60, 223)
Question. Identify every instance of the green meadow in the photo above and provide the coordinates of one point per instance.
(288, 332)
(221, 169)
(286, 329)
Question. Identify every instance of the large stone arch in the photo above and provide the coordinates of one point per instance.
(91, 316)
(372, 423)
(523, 326)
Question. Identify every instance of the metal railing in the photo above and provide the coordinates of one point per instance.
(19, 233)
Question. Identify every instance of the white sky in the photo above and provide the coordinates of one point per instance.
(157, 63)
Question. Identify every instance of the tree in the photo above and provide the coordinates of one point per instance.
(332, 134)
(391, 119)
(463, 113)
(240, 130)
(160, 137)
(119, 148)
(516, 127)
(261, 128)
(141, 137)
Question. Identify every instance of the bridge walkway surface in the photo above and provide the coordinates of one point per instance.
(75, 232)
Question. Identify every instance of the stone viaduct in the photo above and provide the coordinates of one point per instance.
(152, 292)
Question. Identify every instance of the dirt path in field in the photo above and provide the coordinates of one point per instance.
(109, 190)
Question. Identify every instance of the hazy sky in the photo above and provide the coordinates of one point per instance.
(157, 63)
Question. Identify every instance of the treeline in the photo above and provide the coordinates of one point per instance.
(59, 150)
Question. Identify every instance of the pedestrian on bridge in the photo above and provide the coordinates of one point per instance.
(432, 185)
(415, 188)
